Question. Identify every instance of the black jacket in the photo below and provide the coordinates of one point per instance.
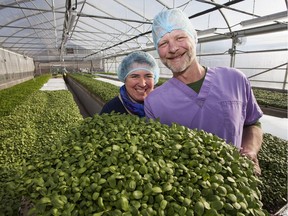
(114, 105)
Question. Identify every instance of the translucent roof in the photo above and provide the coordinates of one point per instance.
(88, 29)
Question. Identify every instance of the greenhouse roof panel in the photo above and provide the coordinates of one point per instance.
(49, 27)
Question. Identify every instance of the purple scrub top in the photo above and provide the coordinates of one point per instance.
(223, 106)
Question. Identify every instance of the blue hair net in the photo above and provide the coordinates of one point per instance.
(138, 60)
(169, 20)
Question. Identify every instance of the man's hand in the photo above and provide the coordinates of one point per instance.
(253, 157)
(251, 143)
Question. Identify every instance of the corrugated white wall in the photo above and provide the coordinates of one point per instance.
(14, 68)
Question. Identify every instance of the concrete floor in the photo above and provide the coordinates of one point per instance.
(275, 126)
(54, 84)
(114, 82)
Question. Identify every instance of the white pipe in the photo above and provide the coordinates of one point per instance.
(269, 18)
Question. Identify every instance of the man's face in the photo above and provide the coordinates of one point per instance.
(177, 50)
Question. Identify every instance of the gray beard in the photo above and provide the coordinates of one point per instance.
(177, 69)
(180, 68)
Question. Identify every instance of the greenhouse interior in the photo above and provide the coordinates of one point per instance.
(58, 68)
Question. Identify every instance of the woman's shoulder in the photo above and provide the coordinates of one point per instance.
(114, 100)
(113, 105)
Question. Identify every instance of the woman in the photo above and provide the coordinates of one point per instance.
(139, 72)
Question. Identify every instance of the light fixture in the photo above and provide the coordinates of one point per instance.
(71, 20)
(206, 32)
(66, 36)
(68, 28)
(133, 48)
(149, 44)
(265, 19)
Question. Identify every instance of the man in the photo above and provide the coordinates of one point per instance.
(218, 100)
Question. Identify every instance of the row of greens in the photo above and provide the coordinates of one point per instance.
(105, 91)
(26, 134)
(267, 97)
(49, 151)
(123, 165)
(14, 96)
(273, 163)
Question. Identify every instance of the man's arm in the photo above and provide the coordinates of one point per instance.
(251, 144)
(148, 110)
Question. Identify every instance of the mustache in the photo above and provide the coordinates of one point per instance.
(176, 55)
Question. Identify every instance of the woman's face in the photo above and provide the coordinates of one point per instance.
(139, 84)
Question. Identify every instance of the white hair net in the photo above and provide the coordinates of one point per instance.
(138, 60)
(169, 20)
